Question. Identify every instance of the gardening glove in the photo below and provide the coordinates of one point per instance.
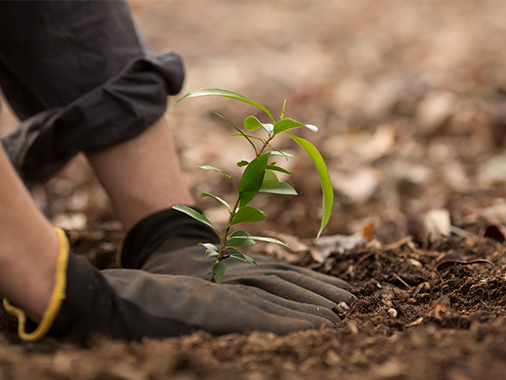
(131, 304)
(166, 242)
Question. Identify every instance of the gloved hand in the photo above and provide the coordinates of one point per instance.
(166, 242)
(161, 305)
(131, 304)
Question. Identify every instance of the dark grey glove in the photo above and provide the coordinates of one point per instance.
(130, 304)
(166, 242)
(167, 291)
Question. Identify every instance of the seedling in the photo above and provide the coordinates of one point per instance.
(259, 176)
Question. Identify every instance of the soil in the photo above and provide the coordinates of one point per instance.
(421, 313)
(409, 98)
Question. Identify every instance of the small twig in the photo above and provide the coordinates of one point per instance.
(464, 263)
(401, 280)
(461, 232)
(398, 243)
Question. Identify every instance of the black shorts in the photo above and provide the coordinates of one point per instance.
(80, 78)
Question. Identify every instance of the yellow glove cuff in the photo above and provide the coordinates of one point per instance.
(56, 298)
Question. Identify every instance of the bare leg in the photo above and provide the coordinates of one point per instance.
(28, 246)
(142, 175)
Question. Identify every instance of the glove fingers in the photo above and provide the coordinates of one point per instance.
(190, 262)
(268, 263)
(331, 280)
(304, 308)
(282, 288)
(330, 292)
(173, 305)
(292, 314)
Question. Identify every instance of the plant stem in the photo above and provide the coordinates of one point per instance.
(227, 228)
(233, 210)
(225, 234)
(265, 144)
(233, 182)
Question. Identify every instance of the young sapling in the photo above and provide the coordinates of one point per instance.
(258, 176)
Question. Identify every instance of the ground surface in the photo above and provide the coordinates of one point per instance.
(410, 101)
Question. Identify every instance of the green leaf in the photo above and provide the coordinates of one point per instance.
(211, 250)
(239, 233)
(244, 258)
(285, 125)
(209, 167)
(268, 127)
(248, 214)
(239, 242)
(232, 249)
(283, 110)
(245, 135)
(276, 168)
(242, 163)
(219, 271)
(235, 240)
(210, 253)
(282, 189)
(270, 181)
(258, 238)
(328, 191)
(282, 154)
(224, 202)
(209, 246)
(251, 123)
(252, 178)
(196, 215)
(227, 94)
(268, 240)
(311, 127)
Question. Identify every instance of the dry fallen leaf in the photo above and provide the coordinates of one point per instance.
(437, 223)
(495, 213)
(338, 243)
(435, 110)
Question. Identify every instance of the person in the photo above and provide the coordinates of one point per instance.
(81, 79)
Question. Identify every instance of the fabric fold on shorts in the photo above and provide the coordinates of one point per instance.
(117, 110)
